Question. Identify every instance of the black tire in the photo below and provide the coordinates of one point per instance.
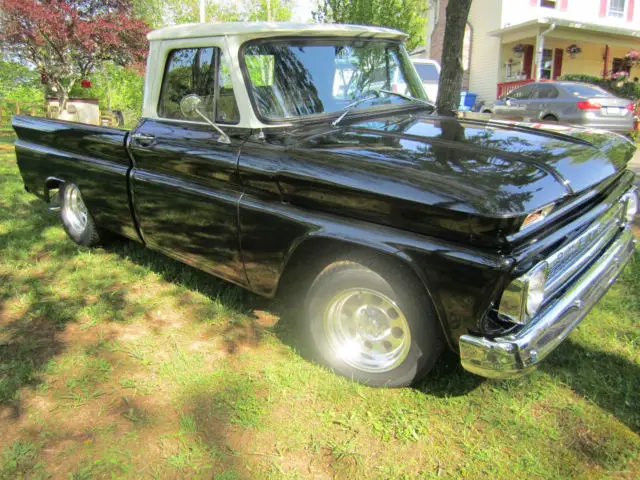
(550, 118)
(82, 232)
(393, 282)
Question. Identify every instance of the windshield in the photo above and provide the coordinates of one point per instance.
(428, 72)
(586, 90)
(296, 79)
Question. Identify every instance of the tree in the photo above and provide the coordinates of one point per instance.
(20, 83)
(405, 15)
(452, 68)
(118, 88)
(66, 40)
(161, 12)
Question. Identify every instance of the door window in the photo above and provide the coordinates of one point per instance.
(200, 71)
(547, 64)
(546, 92)
(522, 93)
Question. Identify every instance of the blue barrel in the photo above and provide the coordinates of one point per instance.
(467, 100)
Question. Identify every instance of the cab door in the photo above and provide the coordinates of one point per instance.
(184, 180)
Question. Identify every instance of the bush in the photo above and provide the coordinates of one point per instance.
(620, 88)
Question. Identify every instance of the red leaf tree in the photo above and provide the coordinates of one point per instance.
(67, 39)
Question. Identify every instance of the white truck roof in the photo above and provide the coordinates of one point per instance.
(269, 29)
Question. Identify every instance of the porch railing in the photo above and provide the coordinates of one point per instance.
(508, 87)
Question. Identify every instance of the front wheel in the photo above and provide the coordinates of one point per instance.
(371, 321)
(76, 219)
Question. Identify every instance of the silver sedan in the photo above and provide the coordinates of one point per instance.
(567, 102)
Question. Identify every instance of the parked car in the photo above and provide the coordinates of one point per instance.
(392, 230)
(567, 102)
(429, 73)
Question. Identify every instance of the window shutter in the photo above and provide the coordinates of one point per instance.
(630, 11)
(527, 60)
(603, 8)
(557, 63)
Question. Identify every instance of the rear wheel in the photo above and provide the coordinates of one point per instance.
(76, 219)
(371, 321)
(550, 118)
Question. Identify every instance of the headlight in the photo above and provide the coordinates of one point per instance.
(522, 299)
(632, 205)
(535, 290)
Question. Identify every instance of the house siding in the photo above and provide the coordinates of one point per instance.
(515, 12)
(484, 17)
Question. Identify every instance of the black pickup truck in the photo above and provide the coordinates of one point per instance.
(307, 159)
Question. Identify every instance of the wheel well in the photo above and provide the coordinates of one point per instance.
(51, 183)
(313, 255)
(550, 117)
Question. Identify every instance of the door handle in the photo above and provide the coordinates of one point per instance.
(142, 139)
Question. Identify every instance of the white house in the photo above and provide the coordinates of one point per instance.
(512, 42)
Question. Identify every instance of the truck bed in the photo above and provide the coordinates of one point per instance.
(94, 158)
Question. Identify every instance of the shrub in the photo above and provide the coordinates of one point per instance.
(620, 87)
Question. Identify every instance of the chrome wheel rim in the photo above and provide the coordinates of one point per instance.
(74, 211)
(367, 330)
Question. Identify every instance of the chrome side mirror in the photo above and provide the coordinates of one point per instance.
(190, 104)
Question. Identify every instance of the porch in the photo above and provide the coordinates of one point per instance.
(541, 52)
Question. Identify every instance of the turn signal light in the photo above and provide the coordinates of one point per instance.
(537, 216)
(630, 107)
(589, 105)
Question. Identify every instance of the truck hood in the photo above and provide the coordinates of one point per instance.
(491, 169)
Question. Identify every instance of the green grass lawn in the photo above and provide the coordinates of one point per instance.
(121, 363)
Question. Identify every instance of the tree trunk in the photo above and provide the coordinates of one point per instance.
(452, 71)
(63, 97)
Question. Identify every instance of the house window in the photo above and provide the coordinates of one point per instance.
(548, 3)
(617, 8)
(621, 65)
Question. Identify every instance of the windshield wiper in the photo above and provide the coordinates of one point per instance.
(352, 105)
(376, 94)
(407, 97)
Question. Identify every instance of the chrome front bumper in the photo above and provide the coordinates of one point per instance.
(513, 355)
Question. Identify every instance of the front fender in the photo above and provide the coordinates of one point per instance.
(462, 282)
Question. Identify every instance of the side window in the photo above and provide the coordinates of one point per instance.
(546, 92)
(193, 71)
(522, 93)
(226, 106)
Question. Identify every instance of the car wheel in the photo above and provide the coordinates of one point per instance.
(372, 322)
(550, 118)
(76, 219)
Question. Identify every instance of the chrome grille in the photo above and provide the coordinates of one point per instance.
(571, 258)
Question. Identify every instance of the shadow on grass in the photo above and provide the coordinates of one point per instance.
(448, 378)
(605, 379)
